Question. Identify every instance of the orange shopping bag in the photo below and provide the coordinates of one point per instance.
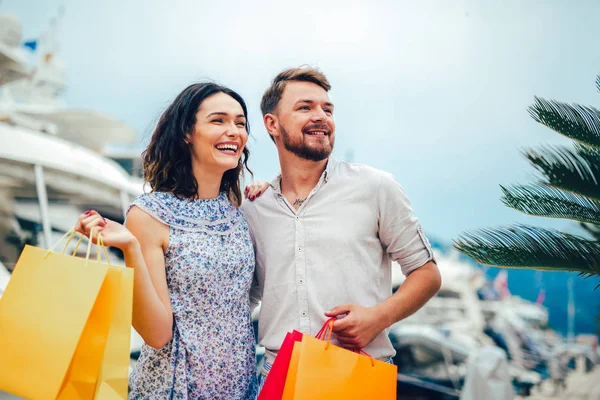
(321, 370)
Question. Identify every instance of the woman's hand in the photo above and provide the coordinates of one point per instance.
(255, 190)
(113, 233)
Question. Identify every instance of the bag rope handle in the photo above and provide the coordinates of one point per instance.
(70, 234)
(99, 245)
(327, 329)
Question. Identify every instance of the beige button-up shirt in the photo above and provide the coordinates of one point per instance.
(335, 249)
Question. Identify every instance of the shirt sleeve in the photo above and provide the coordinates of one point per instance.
(399, 230)
(255, 289)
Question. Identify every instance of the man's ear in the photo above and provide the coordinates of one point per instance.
(271, 124)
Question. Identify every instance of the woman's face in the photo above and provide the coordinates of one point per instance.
(219, 135)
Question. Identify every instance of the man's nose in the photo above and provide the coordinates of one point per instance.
(319, 115)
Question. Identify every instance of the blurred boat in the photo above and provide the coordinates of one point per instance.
(471, 313)
(51, 166)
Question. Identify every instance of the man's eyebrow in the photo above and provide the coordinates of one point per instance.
(328, 104)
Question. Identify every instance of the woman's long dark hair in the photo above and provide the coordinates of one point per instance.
(167, 161)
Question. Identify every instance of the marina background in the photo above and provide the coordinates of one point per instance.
(434, 92)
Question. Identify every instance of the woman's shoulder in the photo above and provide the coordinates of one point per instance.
(154, 199)
(189, 214)
(156, 204)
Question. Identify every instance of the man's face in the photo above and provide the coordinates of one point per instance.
(306, 125)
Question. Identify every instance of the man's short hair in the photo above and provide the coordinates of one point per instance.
(273, 94)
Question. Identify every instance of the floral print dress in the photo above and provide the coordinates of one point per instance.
(209, 268)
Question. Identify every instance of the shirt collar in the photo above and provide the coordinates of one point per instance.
(331, 163)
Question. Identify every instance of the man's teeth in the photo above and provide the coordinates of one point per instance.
(316, 133)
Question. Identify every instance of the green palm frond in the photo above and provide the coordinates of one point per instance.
(522, 246)
(589, 153)
(565, 169)
(550, 202)
(569, 188)
(592, 229)
(574, 121)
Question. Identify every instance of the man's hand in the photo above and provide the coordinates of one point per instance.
(359, 327)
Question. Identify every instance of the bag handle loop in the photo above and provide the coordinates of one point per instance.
(327, 329)
(100, 248)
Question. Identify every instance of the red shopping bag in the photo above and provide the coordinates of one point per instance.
(275, 382)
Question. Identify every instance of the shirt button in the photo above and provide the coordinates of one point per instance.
(304, 314)
(301, 281)
(299, 248)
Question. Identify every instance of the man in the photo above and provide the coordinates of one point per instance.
(325, 232)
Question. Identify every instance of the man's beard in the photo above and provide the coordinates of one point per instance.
(300, 149)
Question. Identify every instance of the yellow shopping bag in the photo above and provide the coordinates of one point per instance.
(114, 373)
(57, 317)
(321, 370)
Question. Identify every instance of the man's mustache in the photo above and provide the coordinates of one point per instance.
(317, 127)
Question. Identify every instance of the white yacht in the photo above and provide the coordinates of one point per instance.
(51, 166)
(437, 343)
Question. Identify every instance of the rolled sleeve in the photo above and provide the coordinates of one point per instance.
(399, 230)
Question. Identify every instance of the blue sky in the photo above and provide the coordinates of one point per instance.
(434, 92)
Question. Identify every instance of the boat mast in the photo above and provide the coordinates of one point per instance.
(49, 40)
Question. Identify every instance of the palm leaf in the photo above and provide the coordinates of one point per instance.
(574, 121)
(550, 202)
(589, 153)
(565, 169)
(592, 229)
(522, 246)
(598, 83)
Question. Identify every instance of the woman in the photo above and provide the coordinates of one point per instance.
(189, 245)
